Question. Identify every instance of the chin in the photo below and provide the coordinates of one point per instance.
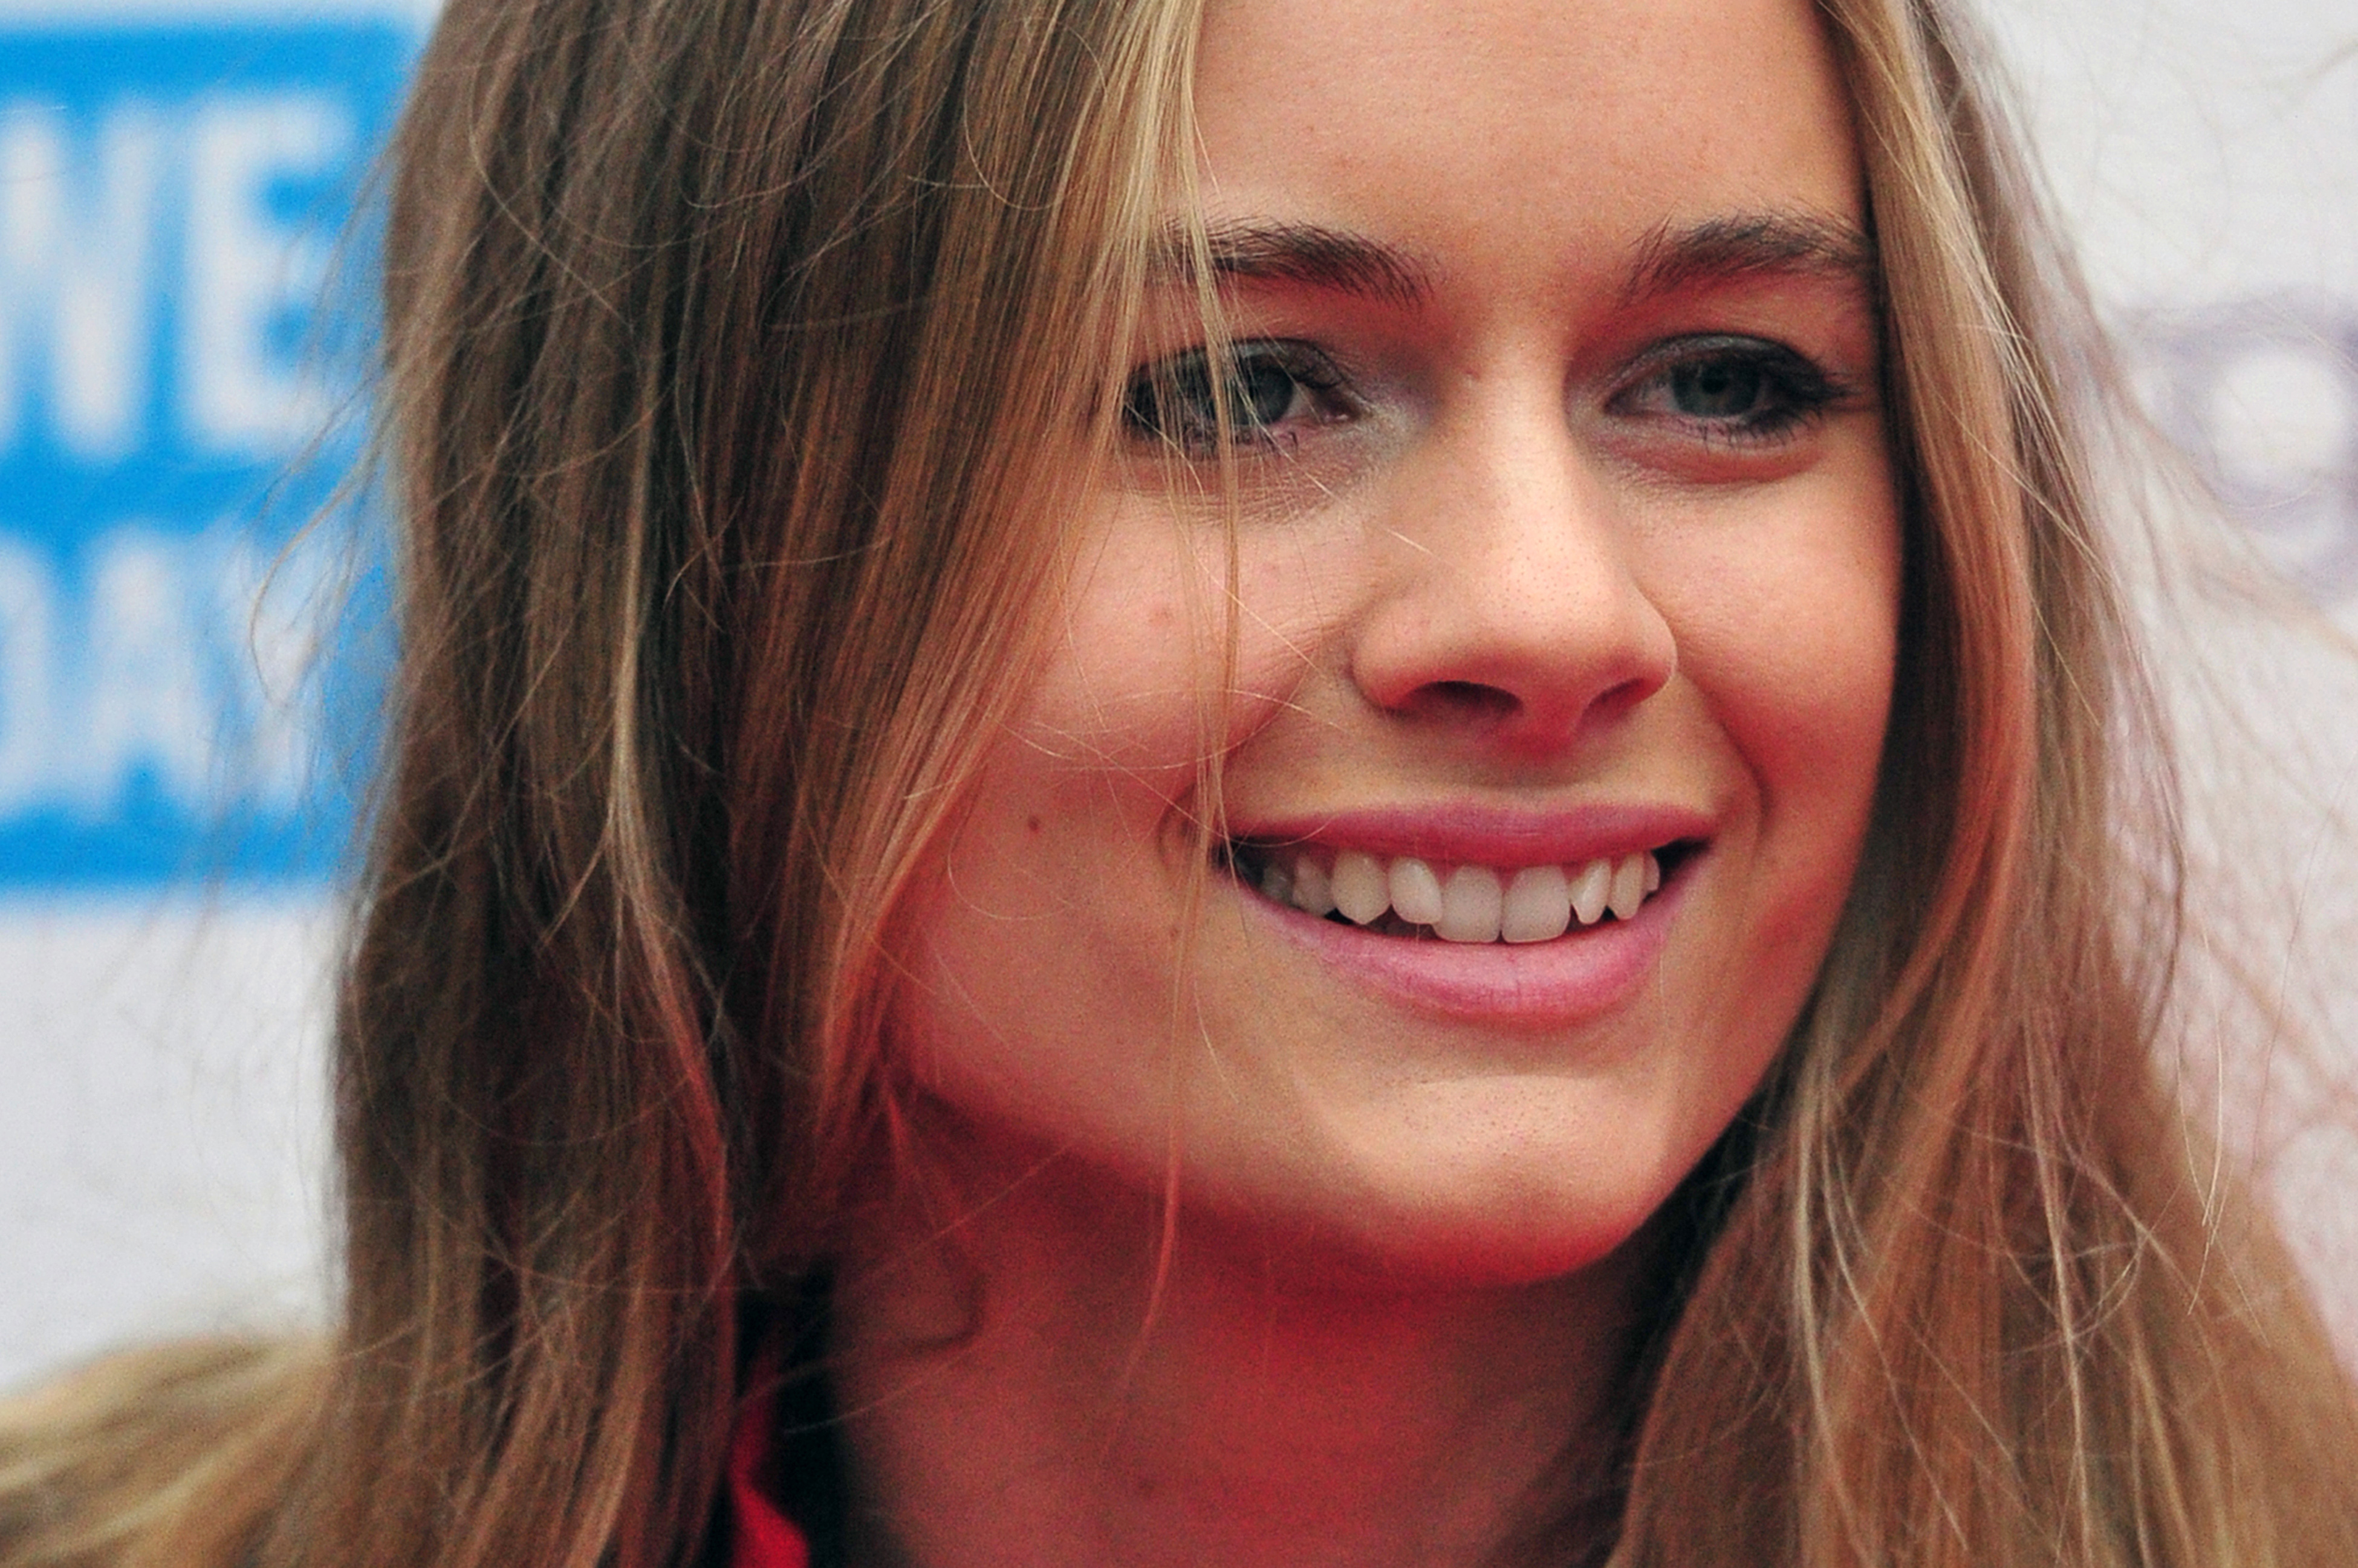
(1412, 1239)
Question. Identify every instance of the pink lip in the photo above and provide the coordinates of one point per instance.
(1500, 837)
(1582, 975)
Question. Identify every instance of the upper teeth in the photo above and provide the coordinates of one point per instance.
(1464, 903)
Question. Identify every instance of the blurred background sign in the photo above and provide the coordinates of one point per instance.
(185, 313)
(2262, 394)
(174, 202)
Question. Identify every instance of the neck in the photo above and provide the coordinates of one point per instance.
(1033, 1372)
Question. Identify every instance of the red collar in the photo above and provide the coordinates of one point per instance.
(759, 1536)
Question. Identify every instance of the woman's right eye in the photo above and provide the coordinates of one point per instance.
(1275, 387)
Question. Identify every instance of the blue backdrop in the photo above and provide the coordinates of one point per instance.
(184, 619)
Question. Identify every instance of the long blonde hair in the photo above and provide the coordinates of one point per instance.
(1985, 1296)
(727, 341)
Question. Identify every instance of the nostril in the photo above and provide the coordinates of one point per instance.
(1462, 700)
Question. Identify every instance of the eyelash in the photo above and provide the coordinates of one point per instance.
(1169, 401)
(1792, 390)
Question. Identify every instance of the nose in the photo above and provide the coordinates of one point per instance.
(1509, 610)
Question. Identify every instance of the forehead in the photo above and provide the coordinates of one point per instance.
(1528, 137)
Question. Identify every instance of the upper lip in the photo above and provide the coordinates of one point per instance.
(1484, 834)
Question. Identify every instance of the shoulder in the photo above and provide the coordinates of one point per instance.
(171, 1454)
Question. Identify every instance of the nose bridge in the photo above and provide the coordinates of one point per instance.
(1512, 602)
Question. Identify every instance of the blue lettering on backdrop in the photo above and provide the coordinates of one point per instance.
(173, 202)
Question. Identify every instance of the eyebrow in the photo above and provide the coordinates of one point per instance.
(1669, 260)
(1308, 254)
(1749, 245)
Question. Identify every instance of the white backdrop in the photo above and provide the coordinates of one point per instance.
(161, 1137)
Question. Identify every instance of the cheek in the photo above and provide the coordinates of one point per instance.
(1043, 929)
(1149, 678)
(1786, 619)
(1049, 917)
(1119, 695)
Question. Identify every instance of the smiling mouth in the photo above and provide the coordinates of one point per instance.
(1403, 896)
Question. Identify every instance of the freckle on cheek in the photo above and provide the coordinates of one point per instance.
(1032, 824)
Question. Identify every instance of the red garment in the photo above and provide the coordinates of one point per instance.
(759, 1536)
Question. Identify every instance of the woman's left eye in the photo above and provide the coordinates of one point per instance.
(1746, 389)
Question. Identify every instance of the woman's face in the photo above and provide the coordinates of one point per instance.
(1567, 541)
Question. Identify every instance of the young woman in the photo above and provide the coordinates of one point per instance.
(1331, 781)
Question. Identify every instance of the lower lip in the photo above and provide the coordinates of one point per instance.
(1582, 975)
